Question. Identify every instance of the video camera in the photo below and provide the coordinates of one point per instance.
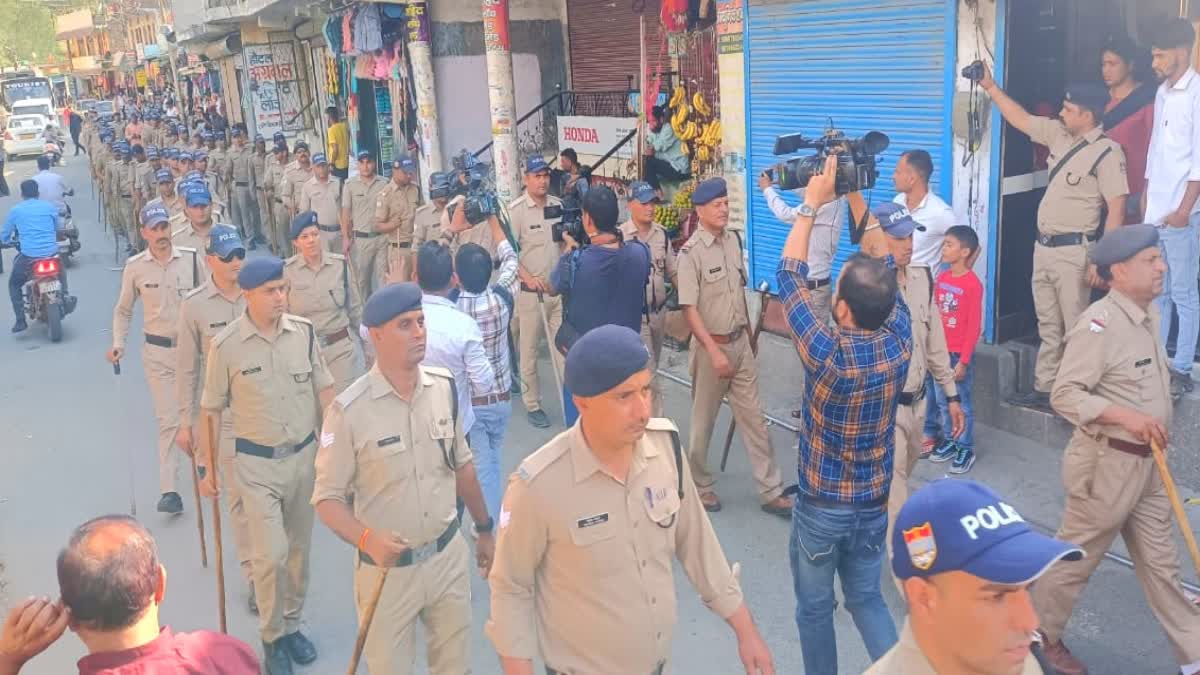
(855, 157)
(569, 217)
(470, 178)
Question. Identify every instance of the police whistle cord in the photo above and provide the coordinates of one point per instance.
(210, 441)
(764, 293)
(1160, 459)
(368, 616)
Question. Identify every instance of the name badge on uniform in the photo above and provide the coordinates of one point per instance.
(592, 520)
(251, 371)
(219, 324)
(150, 286)
(1143, 362)
(714, 270)
(536, 227)
(390, 440)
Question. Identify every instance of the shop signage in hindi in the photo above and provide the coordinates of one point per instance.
(596, 135)
(495, 25)
(273, 91)
(417, 21)
(729, 26)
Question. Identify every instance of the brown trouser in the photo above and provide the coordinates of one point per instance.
(342, 359)
(653, 330)
(910, 420)
(368, 257)
(1060, 294)
(159, 364)
(707, 391)
(276, 494)
(529, 320)
(436, 591)
(1110, 492)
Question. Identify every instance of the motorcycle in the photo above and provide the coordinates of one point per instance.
(43, 293)
(53, 152)
(68, 234)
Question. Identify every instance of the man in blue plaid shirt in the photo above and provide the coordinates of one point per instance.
(854, 373)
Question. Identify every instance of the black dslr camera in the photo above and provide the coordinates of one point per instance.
(470, 179)
(855, 157)
(568, 218)
(973, 71)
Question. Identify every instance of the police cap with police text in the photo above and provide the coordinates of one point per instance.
(319, 159)
(198, 195)
(258, 271)
(896, 220)
(301, 221)
(223, 240)
(603, 358)
(365, 155)
(164, 176)
(643, 192)
(954, 525)
(389, 302)
(153, 214)
(1123, 243)
(536, 164)
(405, 164)
(708, 190)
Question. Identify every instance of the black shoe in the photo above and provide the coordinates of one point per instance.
(170, 503)
(19, 326)
(1038, 400)
(1181, 383)
(251, 246)
(253, 602)
(299, 648)
(538, 419)
(275, 658)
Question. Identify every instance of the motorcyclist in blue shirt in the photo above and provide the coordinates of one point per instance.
(36, 222)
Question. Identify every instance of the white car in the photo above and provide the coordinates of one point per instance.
(24, 135)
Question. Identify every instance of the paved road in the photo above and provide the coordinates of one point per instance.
(68, 424)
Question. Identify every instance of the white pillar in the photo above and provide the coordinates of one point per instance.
(505, 159)
(427, 115)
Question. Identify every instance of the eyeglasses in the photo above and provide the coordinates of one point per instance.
(238, 253)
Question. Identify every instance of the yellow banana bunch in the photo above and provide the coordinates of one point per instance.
(679, 117)
(690, 131)
(677, 96)
(683, 147)
(702, 154)
(700, 104)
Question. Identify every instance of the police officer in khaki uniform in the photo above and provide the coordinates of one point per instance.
(641, 227)
(395, 211)
(591, 526)
(538, 254)
(1087, 173)
(159, 276)
(141, 169)
(361, 240)
(427, 221)
(273, 184)
(322, 194)
(266, 367)
(1113, 385)
(122, 185)
(204, 172)
(258, 168)
(966, 560)
(712, 282)
(193, 231)
(394, 441)
(320, 289)
(165, 195)
(205, 312)
(294, 175)
(243, 210)
(219, 164)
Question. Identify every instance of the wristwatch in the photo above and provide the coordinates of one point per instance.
(485, 528)
(806, 210)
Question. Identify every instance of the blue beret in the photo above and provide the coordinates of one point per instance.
(708, 190)
(303, 220)
(389, 302)
(603, 358)
(1123, 243)
(1091, 96)
(258, 271)
(153, 214)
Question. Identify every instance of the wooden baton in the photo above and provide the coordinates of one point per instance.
(216, 507)
(368, 616)
(1160, 459)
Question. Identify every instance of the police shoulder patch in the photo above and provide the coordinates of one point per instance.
(225, 332)
(356, 389)
(438, 371)
(542, 458)
(334, 256)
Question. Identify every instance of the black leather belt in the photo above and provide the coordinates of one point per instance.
(1072, 239)
(278, 200)
(403, 244)
(365, 235)
(159, 341)
(421, 553)
(814, 284)
(335, 337)
(1139, 449)
(329, 228)
(126, 196)
(248, 447)
(241, 183)
(912, 397)
(491, 399)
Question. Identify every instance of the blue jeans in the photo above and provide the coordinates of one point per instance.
(1181, 249)
(937, 419)
(850, 542)
(22, 270)
(487, 441)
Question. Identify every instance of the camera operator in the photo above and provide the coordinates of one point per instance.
(935, 216)
(1087, 174)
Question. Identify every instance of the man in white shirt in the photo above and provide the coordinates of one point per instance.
(912, 183)
(452, 338)
(1172, 186)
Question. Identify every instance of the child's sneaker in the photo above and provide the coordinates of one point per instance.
(927, 446)
(944, 452)
(963, 461)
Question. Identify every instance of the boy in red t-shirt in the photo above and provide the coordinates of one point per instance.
(959, 298)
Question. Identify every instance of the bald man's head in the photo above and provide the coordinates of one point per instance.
(109, 573)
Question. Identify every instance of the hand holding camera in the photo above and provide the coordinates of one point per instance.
(978, 71)
(822, 187)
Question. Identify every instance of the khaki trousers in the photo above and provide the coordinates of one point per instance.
(282, 235)
(1110, 492)
(436, 591)
(276, 494)
(529, 319)
(129, 222)
(244, 211)
(653, 330)
(264, 205)
(707, 391)
(342, 359)
(332, 241)
(368, 257)
(1060, 294)
(910, 422)
(159, 364)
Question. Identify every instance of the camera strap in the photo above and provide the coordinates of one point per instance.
(1067, 157)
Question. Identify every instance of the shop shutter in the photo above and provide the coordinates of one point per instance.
(604, 43)
(884, 65)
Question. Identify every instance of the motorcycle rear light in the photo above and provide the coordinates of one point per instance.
(45, 268)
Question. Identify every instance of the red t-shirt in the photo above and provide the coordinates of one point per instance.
(200, 653)
(1133, 133)
(960, 302)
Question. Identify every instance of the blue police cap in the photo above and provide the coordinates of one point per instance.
(171, 153)
(365, 154)
(223, 240)
(642, 191)
(206, 135)
(303, 220)
(185, 156)
(536, 164)
(603, 358)
(405, 164)
(319, 158)
(164, 176)
(280, 146)
(708, 190)
(1123, 243)
(954, 525)
(195, 175)
(200, 156)
(153, 214)
(300, 145)
(389, 302)
(1094, 97)
(197, 195)
(896, 220)
(258, 271)
(278, 136)
(151, 152)
(258, 138)
(237, 131)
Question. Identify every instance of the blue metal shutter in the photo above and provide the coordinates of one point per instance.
(883, 65)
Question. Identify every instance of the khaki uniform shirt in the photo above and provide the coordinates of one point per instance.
(187, 236)
(539, 253)
(174, 206)
(205, 312)
(387, 453)
(150, 136)
(1072, 201)
(360, 198)
(240, 161)
(326, 296)
(143, 174)
(929, 353)
(258, 170)
(587, 559)
(712, 279)
(269, 384)
(123, 182)
(397, 205)
(324, 197)
(427, 224)
(293, 177)
(1113, 355)
(218, 161)
(161, 288)
(480, 234)
(273, 174)
(905, 658)
(662, 262)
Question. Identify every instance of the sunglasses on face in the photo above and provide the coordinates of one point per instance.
(237, 253)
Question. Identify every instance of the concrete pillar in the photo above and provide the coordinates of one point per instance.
(505, 159)
(421, 56)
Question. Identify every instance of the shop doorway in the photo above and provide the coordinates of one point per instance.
(1050, 43)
